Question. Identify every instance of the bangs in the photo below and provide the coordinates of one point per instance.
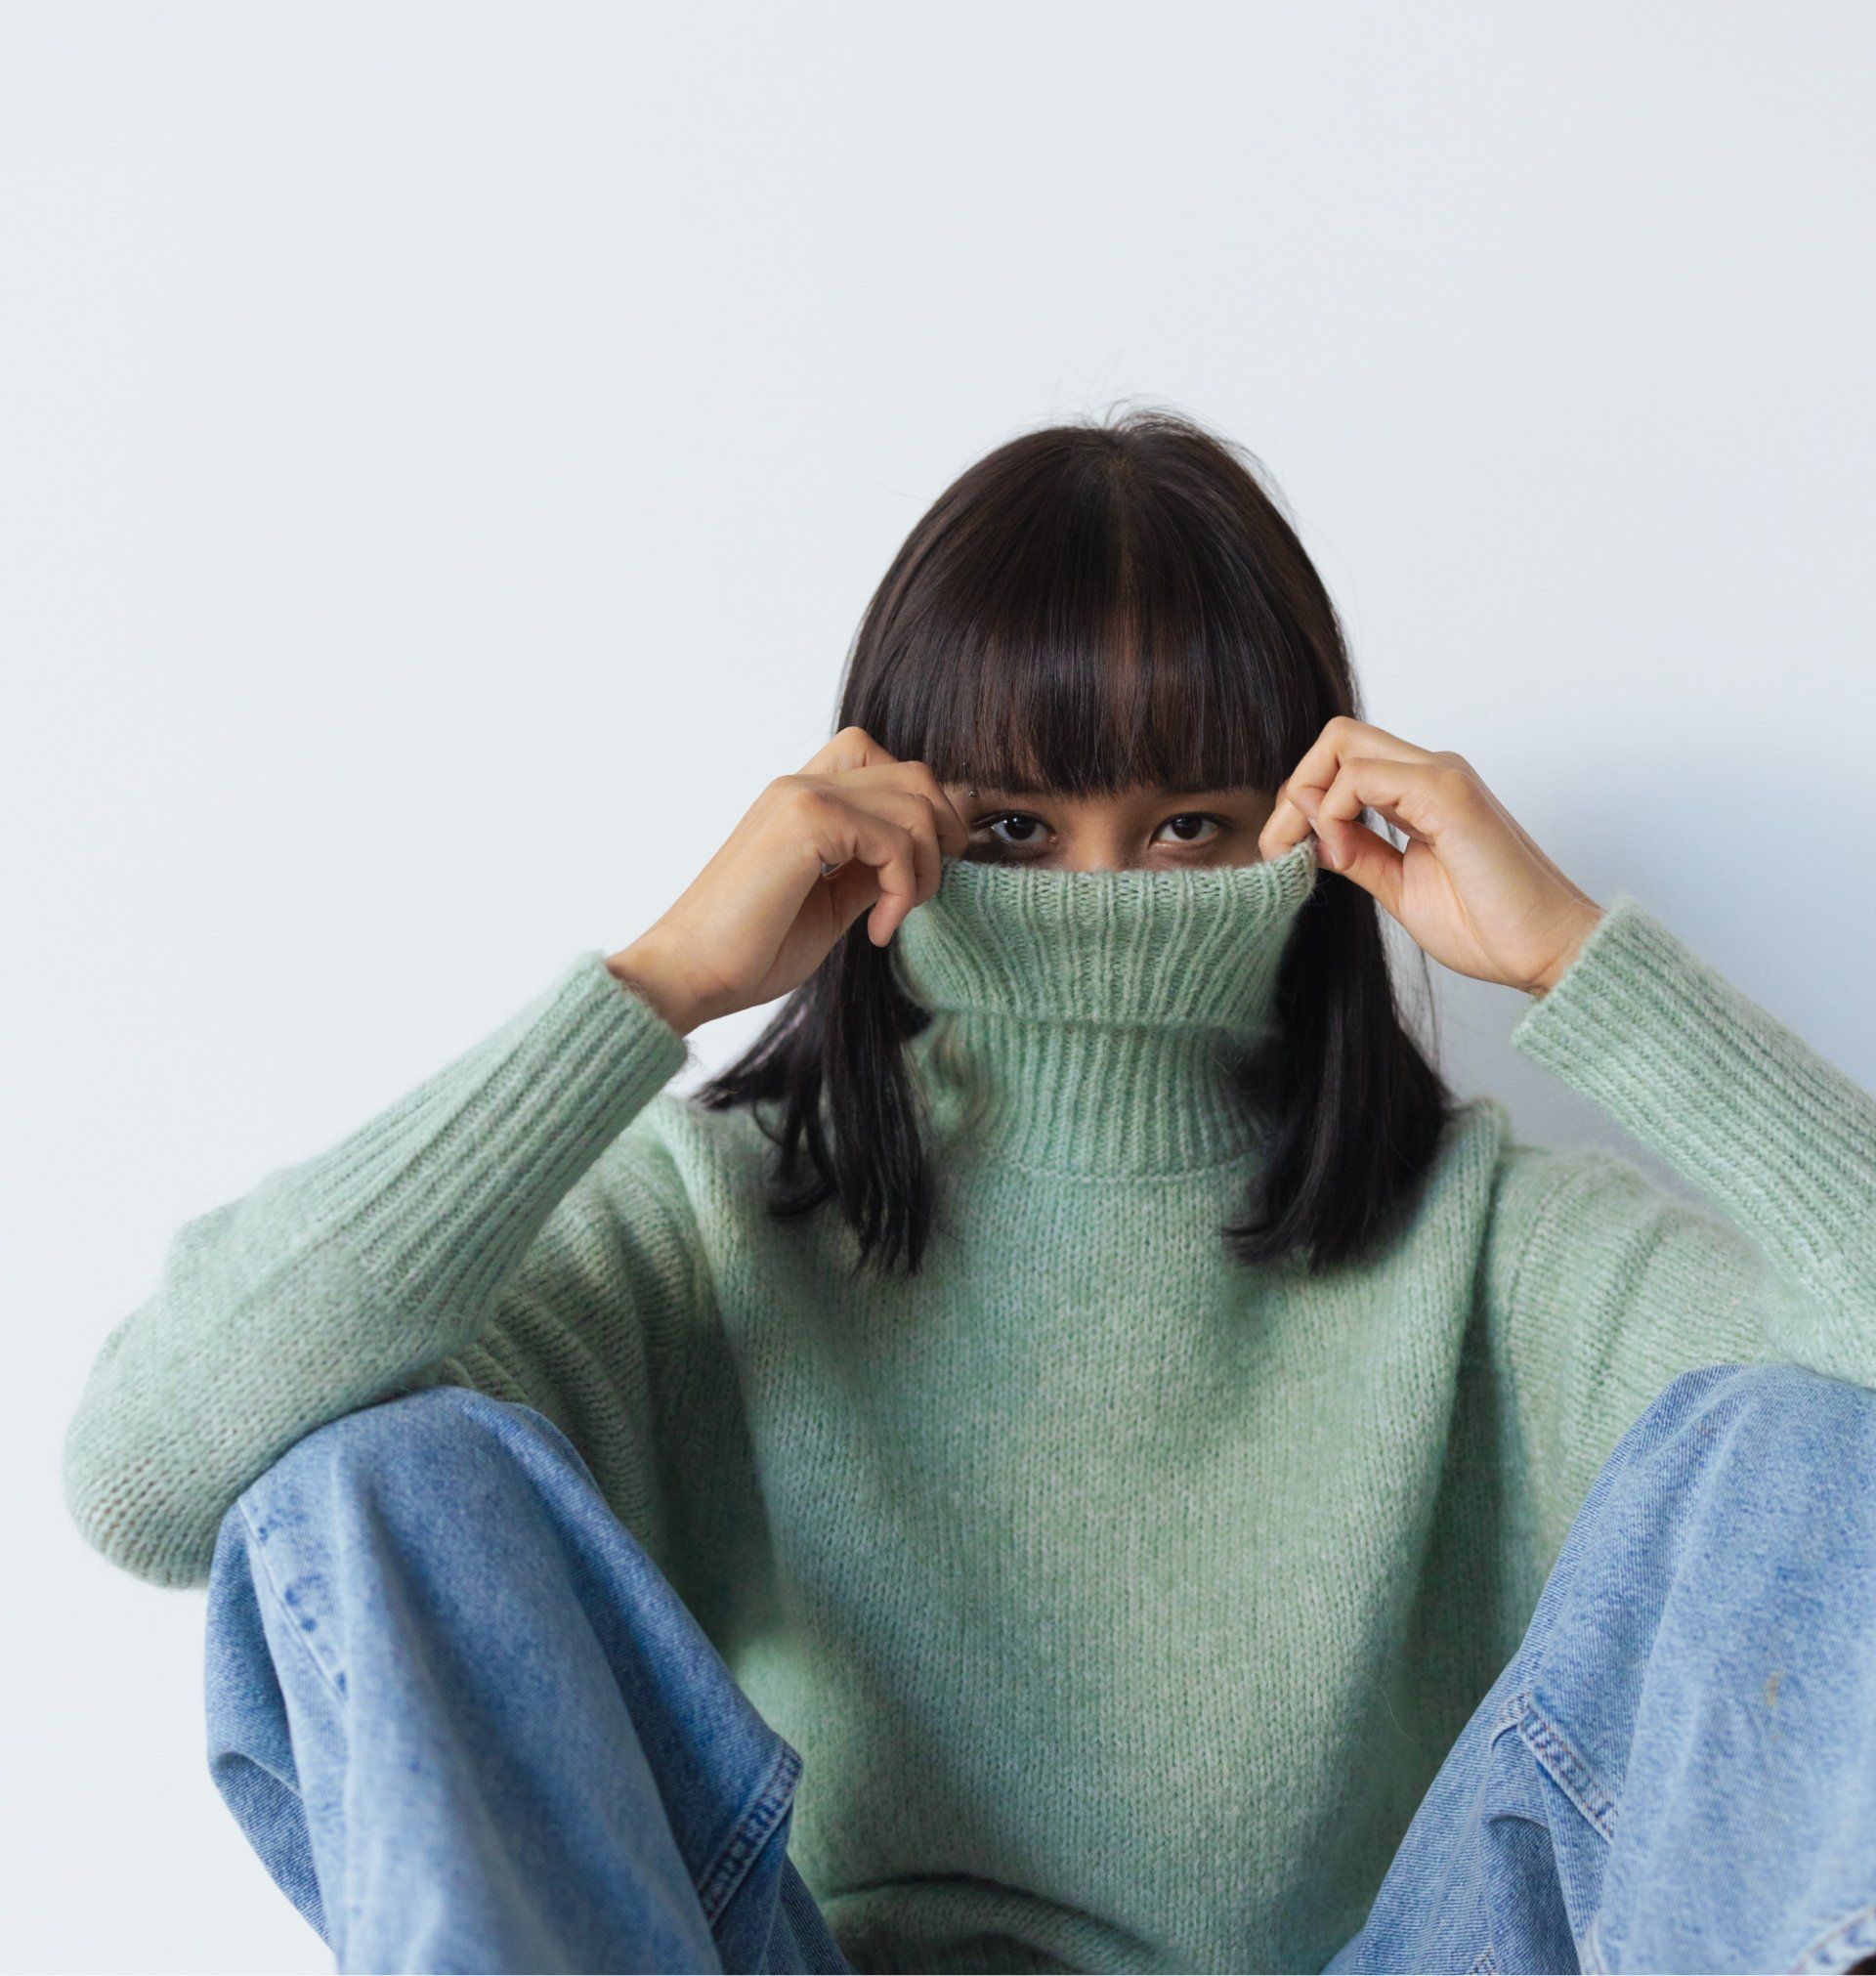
(1094, 610)
(1089, 620)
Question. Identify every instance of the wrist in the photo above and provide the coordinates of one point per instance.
(649, 974)
(1586, 922)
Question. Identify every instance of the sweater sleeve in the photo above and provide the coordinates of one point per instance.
(508, 1222)
(1600, 1286)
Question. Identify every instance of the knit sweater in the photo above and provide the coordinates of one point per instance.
(1122, 1600)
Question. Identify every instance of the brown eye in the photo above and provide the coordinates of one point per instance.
(1190, 826)
(1011, 833)
(1023, 829)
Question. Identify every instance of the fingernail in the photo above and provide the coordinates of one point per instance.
(1323, 851)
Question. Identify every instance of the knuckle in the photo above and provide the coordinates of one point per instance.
(814, 804)
(926, 814)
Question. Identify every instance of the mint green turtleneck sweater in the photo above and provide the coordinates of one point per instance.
(1121, 1599)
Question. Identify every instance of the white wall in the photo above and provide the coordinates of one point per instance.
(447, 448)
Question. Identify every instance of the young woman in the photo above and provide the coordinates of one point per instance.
(1075, 1453)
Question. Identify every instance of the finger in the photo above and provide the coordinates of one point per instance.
(909, 808)
(1340, 738)
(1435, 800)
(885, 855)
(1387, 814)
(1427, 798)
(1368, 860)
(953, 833)
(914, 812)
(910, 793)
(851, 748)
(1290, 819)
(916, 779)
(1285, 826)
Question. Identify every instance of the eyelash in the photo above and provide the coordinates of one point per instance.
(1028, 816)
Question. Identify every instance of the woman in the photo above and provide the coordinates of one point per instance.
(1059, 1449)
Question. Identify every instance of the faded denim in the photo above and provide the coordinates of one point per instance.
(467, 1725)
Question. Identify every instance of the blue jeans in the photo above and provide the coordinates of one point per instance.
(467, 1725)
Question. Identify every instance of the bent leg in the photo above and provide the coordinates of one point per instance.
(467, 1724)
(1678, 1768)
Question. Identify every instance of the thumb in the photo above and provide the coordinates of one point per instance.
(1363, 857)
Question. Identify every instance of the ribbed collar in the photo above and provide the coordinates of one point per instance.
(1089, 1021)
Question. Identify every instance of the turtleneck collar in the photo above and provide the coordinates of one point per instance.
(1090, 1021)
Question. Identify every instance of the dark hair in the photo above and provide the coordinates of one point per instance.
(1094, 608)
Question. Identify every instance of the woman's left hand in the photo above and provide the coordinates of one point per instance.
(1471, 888)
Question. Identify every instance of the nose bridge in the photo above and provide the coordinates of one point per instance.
(1100, 833)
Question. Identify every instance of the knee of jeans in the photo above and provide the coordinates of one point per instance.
(1754, 1411)
(436, 1429)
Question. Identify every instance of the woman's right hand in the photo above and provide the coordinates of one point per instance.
(761, 917)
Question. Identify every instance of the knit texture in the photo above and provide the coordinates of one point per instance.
(1122, 1600)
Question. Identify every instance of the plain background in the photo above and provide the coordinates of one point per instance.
(447, 450)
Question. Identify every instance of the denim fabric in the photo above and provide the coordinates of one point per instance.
(1677, 1770)
(467, 1725)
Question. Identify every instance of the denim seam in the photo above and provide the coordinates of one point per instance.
(727, 1871)
(1590, 1949)
(339, 1929)
(1834, 1936)
(1486, 1963)
(1577, 1780)
(257, 1556)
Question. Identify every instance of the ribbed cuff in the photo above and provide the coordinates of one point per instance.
(440, 1196)
(1780, 1140)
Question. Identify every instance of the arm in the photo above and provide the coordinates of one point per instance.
(513, 1223)
(1600, 1287)
(472, 1231)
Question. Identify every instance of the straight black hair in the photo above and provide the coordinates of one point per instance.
(1091, 609)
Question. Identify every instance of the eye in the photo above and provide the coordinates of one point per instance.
(1011, 831)
(1189, 828)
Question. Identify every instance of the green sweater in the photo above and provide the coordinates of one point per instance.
(1121, 1599)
